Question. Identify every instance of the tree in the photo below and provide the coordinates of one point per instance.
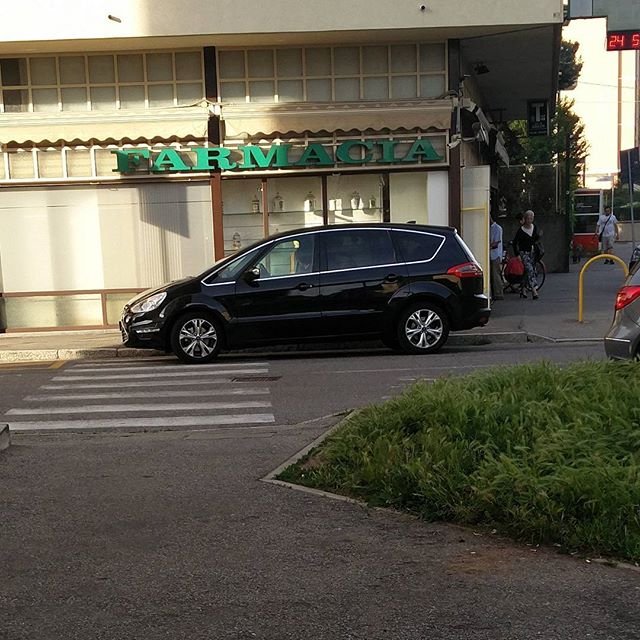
(570, 65)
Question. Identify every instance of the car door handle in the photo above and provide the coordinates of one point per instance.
(303, 286)
(392, 277)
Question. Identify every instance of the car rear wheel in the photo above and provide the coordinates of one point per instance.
(422, 328)
(195, 338)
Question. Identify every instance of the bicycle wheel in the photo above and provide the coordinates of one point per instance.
(541, 273)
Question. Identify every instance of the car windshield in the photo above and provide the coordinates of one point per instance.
(230, 268)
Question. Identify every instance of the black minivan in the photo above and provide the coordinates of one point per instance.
(404, 283)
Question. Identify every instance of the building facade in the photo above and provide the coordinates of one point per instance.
(139, 142)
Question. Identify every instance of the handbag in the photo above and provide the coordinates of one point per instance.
(604, 226)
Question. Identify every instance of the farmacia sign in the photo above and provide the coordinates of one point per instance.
(277, 156)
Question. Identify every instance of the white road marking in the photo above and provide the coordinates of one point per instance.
(146, 422)
(147, 394)
(177, 374)
(164, 367)
(147, 384)
(119, 408)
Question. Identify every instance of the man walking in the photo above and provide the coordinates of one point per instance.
(607, 230)
(495, 245)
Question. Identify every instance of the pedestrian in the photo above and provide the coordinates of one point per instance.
(527, 246)
(495, 256)
(607, 230)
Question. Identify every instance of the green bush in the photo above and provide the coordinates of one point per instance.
(547, 454)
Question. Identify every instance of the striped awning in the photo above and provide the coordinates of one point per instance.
(241, 121)
(153, 125)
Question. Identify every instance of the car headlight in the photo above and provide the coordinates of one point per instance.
(149, 304)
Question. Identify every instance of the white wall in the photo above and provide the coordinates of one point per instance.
(48, 20)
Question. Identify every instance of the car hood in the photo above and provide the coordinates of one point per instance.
(170, 286)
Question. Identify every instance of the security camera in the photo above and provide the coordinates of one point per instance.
(423, 7)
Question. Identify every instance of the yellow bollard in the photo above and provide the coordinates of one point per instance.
(603, 256)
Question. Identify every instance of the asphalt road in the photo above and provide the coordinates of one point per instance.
(116, 534)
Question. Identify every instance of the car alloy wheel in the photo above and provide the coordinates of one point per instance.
(423, 328)
(195, 338)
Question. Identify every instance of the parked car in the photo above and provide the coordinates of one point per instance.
(407, 284)
(635, 257)
(623, 338)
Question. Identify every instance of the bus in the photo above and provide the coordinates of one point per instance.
(588, 204)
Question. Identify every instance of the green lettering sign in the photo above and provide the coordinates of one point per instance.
(315, 155)
(129, 159)
(388, 148)
(343, 152)
(255, 158)
(169, 160)
(214, 158)
(421, 148)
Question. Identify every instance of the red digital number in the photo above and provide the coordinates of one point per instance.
(616, 41)
(635, 41)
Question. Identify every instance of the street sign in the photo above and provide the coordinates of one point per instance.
(630, 166)
(538, 117)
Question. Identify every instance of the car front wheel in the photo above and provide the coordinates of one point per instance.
(422, 328)
(195, 338)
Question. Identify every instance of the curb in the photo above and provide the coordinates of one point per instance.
(5, 437)
(455, 340)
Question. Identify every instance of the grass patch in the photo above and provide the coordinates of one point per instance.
(546, 454)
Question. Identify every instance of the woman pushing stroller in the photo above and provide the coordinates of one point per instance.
(526, 245)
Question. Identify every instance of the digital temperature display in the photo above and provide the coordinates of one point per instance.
(623, 40)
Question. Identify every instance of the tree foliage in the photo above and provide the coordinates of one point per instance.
(570, 65)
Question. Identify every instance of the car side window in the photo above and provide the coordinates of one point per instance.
(417, 246)
(288, 257)
(233, 268)
(358, 248)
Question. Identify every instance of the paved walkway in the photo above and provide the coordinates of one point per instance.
(553, 317)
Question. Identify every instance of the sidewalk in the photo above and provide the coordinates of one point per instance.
(554, 317)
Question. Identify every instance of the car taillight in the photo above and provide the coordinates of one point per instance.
(466, 270)
(626, 296)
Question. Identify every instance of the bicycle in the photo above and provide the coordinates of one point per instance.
(515, 282)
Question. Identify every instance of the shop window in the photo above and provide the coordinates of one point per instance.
(188, 66)
(78, 163)
(15, 100)
(21, 164)
(189, 94)
(289, 62)
(290, 91)
(43, 71)
(404, 87)
(231, 64)
(132, 97)
(13, 72)
(101, 70)
(74, 99)
(431, 86)
(262, 91)
(432, 58)
(260, 63)
(159, 67)
(72, 70)
(103, 98)
(376, 88)
(318, 62)
(45, 100)
(375, 60)
(319, 90)
(49, 163)
(403, 58)
(161, 95)
(130, 68)
(346, 61)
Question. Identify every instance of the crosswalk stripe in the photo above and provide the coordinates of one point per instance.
(147, 384)
(164, 367)
(146, 394)
(176, 374)
(146, 422)
(119, 408)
